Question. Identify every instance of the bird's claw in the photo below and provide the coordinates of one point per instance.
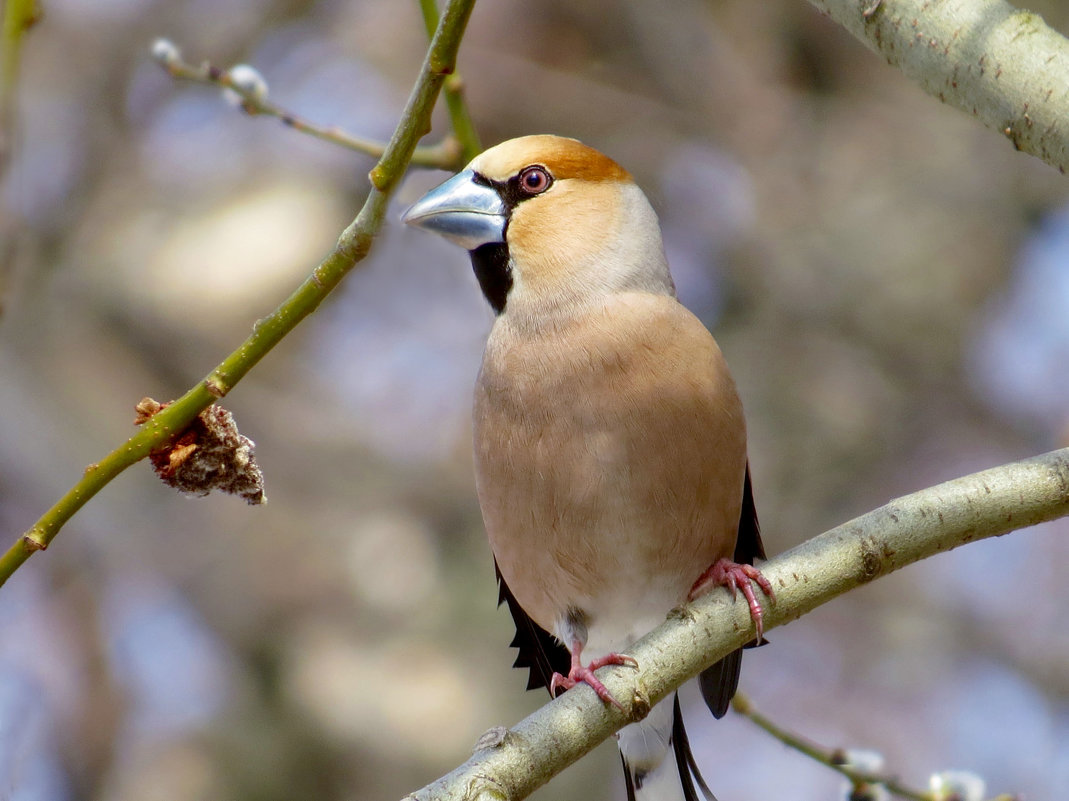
(584, 674)
(725, 573)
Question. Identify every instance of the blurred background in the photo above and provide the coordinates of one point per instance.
(888, 279)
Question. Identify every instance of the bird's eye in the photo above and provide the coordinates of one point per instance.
(535, 180)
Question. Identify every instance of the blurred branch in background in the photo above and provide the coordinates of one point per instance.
(352, 247)
(863, 768)
(911, 528)
(1003, 65)
(251, 90)
(842, 760)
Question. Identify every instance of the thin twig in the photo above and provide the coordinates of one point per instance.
(833, 758)
(453, 91)
(19, 16)
(449, 154)
(352, 246)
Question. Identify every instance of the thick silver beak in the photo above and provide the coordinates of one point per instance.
(461, 210)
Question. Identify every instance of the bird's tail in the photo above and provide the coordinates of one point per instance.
(658, 762)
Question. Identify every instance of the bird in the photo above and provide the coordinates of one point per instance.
(609, 439)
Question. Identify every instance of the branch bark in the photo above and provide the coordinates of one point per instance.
(510, 764)
(1003, 65)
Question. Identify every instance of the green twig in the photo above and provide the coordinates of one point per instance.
(447, 155)
(463, 127)
(19, 15)
(352, 246)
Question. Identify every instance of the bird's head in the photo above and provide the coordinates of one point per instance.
(550, 224)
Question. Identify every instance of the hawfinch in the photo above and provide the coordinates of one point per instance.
(610, 444)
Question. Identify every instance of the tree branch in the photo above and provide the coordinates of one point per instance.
(513, 763)
(352, 247)
(996, 62)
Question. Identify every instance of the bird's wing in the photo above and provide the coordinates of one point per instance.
(719, 681)
(748, 546)
(538, 649)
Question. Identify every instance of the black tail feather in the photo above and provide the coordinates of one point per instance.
(629, 781)
(688, 768)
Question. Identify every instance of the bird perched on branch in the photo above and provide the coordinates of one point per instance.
(610, 443)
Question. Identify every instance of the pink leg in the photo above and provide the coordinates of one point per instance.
(585, 675)
(725, 573)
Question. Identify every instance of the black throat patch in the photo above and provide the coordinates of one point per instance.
(491, 261)
(491, 265)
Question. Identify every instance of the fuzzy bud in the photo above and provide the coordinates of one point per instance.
(166, 52)
(865, 761)
(957, 785)
(249, 82)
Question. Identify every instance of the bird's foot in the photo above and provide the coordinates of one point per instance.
(725, 573)
(584, 674)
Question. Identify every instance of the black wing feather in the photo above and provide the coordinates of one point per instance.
(719, 682)
(748, 546)
(538, 649)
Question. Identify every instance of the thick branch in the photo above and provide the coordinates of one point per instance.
(908, 529)
(985, 57)
(352, 247)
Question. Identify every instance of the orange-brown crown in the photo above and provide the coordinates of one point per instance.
(564, 158)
